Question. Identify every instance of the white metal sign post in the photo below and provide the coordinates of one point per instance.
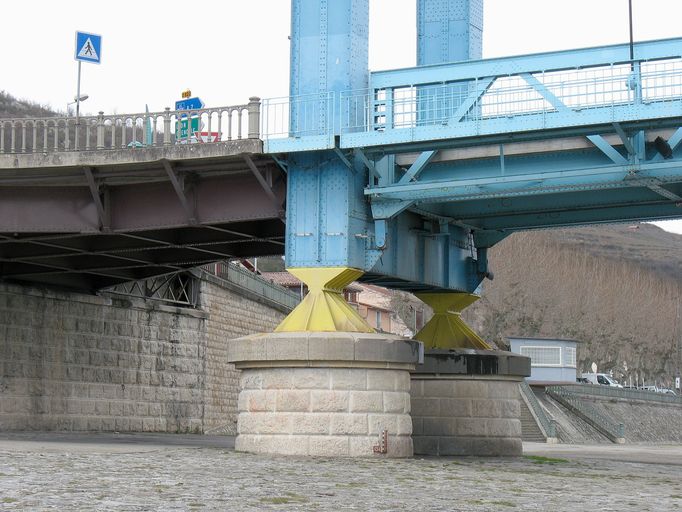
(88, 49)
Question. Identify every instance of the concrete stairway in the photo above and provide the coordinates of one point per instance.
(529, 428)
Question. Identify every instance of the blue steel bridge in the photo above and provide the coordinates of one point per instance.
(406, 176)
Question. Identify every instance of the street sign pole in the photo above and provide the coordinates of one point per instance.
(78, 96)
(88, 49)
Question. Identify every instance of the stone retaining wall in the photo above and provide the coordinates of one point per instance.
(79, 362)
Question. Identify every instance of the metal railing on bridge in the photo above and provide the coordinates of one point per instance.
(589, 87)
(131, 131)
(252, 282)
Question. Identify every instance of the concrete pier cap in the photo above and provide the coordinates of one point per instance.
(344, 394)
(467, 402)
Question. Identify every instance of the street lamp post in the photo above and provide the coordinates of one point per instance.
(76, 100)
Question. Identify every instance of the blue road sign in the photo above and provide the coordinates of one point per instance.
(88, 47)
(189, 104)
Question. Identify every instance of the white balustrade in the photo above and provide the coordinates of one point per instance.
(131, 131)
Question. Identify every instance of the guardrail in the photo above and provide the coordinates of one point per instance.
(565, 396)
(623, 393)
(254, 283)
(131, 131)
(547, 425)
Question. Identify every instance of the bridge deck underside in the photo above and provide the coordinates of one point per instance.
(89, 228)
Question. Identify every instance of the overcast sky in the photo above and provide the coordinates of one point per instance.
(228, 50)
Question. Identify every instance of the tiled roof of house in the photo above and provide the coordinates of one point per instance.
(291, 281)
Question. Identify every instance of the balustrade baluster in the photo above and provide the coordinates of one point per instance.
(239, 123)
(13, 138)
(229, 124)
(66, 135)
(2, 137)
(220, 125)
(123, 133)
(46, 129)
(154, 135)
(34, 141)
(100, 130)
(166, 127)
(55, 132)
(23, 136)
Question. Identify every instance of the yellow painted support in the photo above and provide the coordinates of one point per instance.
(324, 308)
(447, 329)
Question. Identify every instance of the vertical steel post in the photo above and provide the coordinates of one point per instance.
(325, 201)
(449, 31)
(78, 108)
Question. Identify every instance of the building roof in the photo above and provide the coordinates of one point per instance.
(535, 338)
(291, 281)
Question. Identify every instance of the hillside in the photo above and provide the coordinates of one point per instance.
(616, 289)
(13, 107)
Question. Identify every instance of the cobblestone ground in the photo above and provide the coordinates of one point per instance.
(157, 475)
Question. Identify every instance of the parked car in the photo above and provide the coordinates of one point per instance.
(667, 391)
(582, 380)
(601, 378)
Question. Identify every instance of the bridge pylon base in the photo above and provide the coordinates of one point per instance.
(324, 309)
(340, 394)
(446, 329)
(467, 403)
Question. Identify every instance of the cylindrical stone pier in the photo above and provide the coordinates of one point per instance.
(467, 402)
(325, 393)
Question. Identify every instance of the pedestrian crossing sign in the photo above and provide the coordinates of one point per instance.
(88, 47)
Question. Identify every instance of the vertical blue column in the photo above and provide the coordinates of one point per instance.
(449, 31)
(325, 202)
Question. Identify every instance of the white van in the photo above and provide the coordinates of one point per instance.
(601, 378)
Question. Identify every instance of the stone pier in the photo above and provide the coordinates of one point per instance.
(467, 402)
(325, 393)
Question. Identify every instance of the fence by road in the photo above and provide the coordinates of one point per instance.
(574, 401)
(622, 393)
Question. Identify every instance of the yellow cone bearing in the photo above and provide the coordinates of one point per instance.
(324, 308)
(447, 329)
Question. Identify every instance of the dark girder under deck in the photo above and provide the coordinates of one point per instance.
(86, 228)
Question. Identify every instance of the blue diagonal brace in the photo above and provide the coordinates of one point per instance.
(418, 166)
(673, 142)
(623, 137)
(482, 86)
(389, 208)
(548, 95)
(607, 149)
(552, 99)
(345, 160)
(368, 163)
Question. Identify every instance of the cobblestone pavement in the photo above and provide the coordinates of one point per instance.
(100, 472)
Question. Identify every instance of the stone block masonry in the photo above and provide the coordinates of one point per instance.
(324, 411)
(325, 393)
(76, 362)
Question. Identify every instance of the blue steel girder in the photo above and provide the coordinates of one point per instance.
(578, 92)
